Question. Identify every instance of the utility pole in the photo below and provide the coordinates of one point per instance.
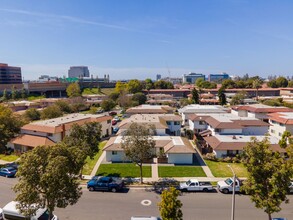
(233, 194)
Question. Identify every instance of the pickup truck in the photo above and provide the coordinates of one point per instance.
(105, 183)
(195, 185)
(226, 186)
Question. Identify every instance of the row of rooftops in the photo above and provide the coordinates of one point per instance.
(170, 144)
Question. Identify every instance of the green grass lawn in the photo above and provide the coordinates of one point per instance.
(107, 91)
(35, 97)
(93, 91)
(9, 158)
(88, 167)
(221, 169)
(181, 171)
(123, 170)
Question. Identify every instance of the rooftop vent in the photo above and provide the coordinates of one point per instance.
(234, 137)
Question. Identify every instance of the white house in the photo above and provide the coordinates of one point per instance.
(259, 111)
(190, 110)
(165, 124)
(231, 145)
(51, 131)
(177, 150)
(280, 122)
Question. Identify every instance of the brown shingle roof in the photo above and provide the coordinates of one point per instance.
(279, 117)
(256, 109)
(32, 141)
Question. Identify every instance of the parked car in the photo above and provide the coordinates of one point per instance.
(291, 187)
(165, 183)
(226, 186)
(105, 183)
(13, 164)
(100, 111)
(8, 171)
(112, 113)
(115, 130)
(10, 211)
(114, 122)
(117, 118)
(1, 214)
(279, 219)
(195, 185)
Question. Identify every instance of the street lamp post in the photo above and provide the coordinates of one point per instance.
(233, 195)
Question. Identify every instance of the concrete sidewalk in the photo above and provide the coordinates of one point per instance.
(155, 174)
(96, 167)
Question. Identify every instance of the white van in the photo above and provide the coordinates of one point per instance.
(10, 212)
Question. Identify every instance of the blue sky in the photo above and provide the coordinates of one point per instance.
(140, 38)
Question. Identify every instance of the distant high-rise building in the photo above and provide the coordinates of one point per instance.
(218, 77)
(158, 77)
(192, 77)
(78, 71)
(10, 74)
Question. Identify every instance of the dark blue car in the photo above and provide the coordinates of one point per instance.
(104, 183)
(8, 172)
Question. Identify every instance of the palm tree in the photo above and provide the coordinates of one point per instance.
(256, 84)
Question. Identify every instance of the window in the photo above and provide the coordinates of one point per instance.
(168, 122)
(49, 134)
(272, 131)
(201, 122)
(176, 122)
(114, 152)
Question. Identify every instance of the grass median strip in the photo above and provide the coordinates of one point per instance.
(123, 170)
(89, 164)
(181, 171)
(8, 158)
(221, 169)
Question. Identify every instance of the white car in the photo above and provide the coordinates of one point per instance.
(1, 214)
(291, 187)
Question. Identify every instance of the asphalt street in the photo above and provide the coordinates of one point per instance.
(196, 206)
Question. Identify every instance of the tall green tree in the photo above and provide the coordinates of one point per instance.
(64, 106)
(10, 125)
(138, 144)
(86, 138)
(256, 84)
(73, 90)
(268, 176)
(32, 114)
(5, 95)
(120, 86)
(286, 139)
(14, 93)
(149, 84)
(170, 205)
(108, 104)
(238, 98)
(134, 86)
(139, 97)
(195, 96)
(222, 96)
(52, 111)
(47, 177)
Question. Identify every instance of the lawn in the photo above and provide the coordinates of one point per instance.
(93, 91)
(123, 170)
(221, 169)
(35, 97)
(181, 171)
(8, 158)
(107, 91)
(89, 166)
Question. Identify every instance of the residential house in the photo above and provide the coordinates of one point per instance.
(231, 145)
(280, 122)
(190, 110)
(51, 131)
(259, 111)
(175, 150)
(164, 124)
(150, 109)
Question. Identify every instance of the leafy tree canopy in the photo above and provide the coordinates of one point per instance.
(47, 177)
(268, 176)
(108, 104)
(73, 90)
(134, 86)
(170, 205)
(52, 111)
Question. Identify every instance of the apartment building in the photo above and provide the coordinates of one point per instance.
(173, 150)
(164, 124)
(10, 74)
(279, 123)
(259, 111)
(51, 131)
(190, 110)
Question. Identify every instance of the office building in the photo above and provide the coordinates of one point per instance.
(78, 72)
(10, 74)
(158, 77)
(218, 77)
(192, 77)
